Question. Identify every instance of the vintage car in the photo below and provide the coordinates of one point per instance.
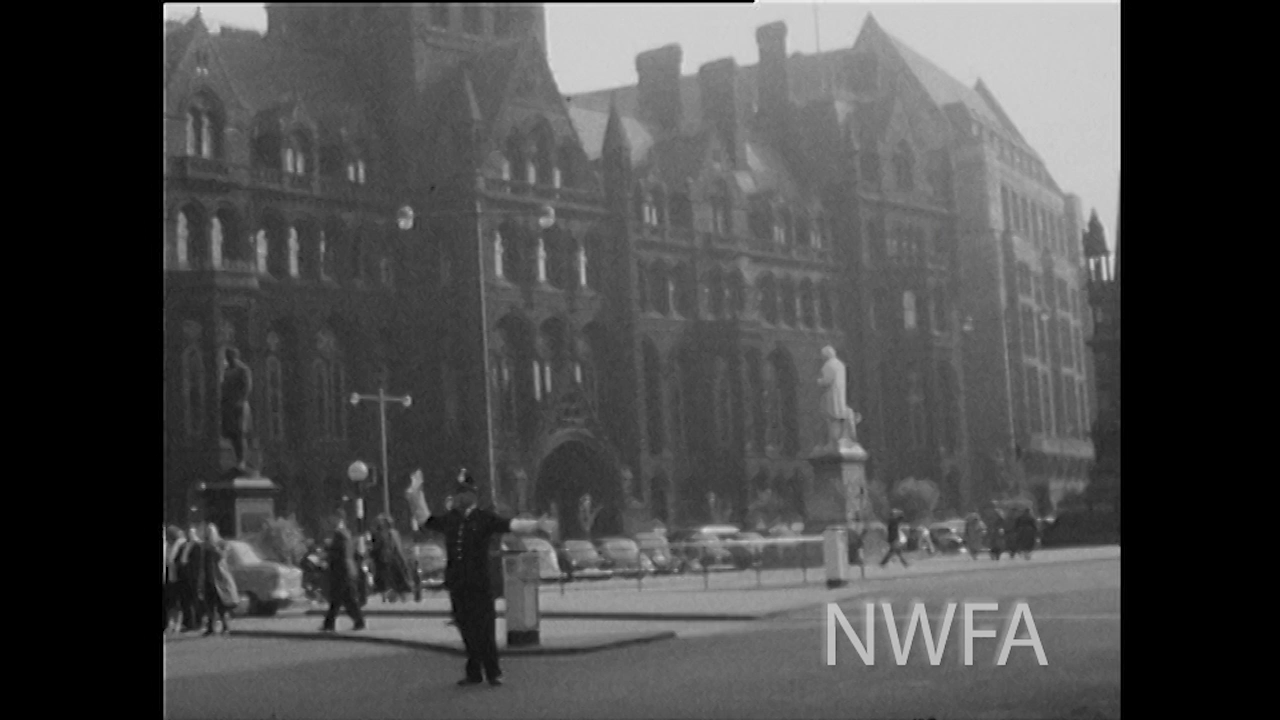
(582, 561)
(658, 550)
(428, 561)
(265, 587)
(623, 557)
(548, 564)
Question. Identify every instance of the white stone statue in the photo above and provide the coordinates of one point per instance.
(841, 420)
(542, 261)
(498, 250)
(215, 242)
(582, 267)
(293, 252)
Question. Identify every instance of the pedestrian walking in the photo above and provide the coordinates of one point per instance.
(1026, 529)
(996, 538)
(973, 535)
(175, 540)
(391, 569)
(896, 540)
(220, 593)
(467, 531)
(343, 577)
(191, 580)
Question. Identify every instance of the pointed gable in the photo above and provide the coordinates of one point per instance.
(516, 73)
(1005, 121)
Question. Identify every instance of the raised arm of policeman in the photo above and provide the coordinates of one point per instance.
(464, 502)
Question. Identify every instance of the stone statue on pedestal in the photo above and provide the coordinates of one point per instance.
(237, 384)
(841, 420)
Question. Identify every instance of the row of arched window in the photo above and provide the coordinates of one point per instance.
(534, 158)
(777, 223)
(552, 257)
(668, 289)
(535, 366)
(292, 151)
(302, 249)
(761, 391)
(326, 390)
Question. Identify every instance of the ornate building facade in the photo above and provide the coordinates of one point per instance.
(624, 295)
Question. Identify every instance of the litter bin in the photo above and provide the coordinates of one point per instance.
(835, 555)
(520, 588)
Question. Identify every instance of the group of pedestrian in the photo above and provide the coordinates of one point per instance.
(198, 585)
(1013, 532)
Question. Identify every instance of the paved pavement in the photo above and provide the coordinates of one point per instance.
(733, 595)
(768, 668)
(592, 616)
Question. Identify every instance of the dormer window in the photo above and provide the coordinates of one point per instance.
(204, 128)
(295, 154)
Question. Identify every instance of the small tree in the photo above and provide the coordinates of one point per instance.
(283, 540)
(917, 499)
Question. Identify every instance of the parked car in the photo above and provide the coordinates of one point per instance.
(429, 560)
(623, 557)
(746, 549)
(658, 550)
(548, 562)
(705, 548)
(948, 537)
(265, 586)
(581, 560)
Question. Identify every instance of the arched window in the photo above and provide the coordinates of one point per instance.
(230, 243)
(204, 127)
(753, 401)
(721, 212)
(567, 166)
(723, 399)
(273, 390)
(909, 310)
(769, 300)
(804, 230)
(653, 399)
(808, 308)
(191, 239)
(329, 384)
(737, 294)
(273, 238)
(916, 411)
(193, 383)
(686, 291)
(543, 154)
(297, 154)
(660, 217)
(788, 301)
(715, 294)
(514, 155)
(681, 209)
(310, 250)
(904, 167)
(772, 416)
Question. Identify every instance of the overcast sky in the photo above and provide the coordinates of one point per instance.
(1055, 67)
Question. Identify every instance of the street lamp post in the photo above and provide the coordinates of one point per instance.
(382, 398)
(357, 473)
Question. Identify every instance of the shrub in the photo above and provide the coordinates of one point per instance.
(917, 499)
(283, 540)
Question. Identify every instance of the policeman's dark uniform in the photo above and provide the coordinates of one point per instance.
(467, 538)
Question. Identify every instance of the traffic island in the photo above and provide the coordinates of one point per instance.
(549, 645)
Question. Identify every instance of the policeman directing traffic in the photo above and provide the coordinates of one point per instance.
(468, 531)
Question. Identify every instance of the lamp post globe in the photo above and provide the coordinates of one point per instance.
(358, 472)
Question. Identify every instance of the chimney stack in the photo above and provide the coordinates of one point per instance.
(773, 90)
(717, 86)
(658, 88)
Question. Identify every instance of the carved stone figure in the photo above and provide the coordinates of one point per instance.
(841, 420)
(237, 384)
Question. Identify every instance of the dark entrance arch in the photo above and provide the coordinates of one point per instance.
(574, 468)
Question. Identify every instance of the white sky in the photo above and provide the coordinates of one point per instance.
(1055, 67)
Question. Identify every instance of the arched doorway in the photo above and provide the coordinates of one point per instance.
(575, 468)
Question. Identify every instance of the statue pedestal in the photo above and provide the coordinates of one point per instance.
(839, 492)
(239, 503)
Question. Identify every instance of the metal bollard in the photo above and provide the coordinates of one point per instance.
(520, 588)
(835, 556)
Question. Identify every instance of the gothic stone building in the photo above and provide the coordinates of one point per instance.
(624, 295)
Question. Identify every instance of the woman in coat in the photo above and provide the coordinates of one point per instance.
(219, 592)
(1026, 531)
(391, 569)
(973, 535)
